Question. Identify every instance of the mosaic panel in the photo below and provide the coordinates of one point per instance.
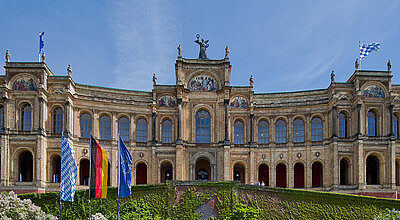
(373, 91)
(239, 102)
(24, 84)
(56, 90)
(166, 101)
(343, 96)
(202, 83)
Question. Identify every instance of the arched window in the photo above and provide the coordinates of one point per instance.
(141, 130)
(316, 129)
(1, 117)
(342, 125)
(371, 124)
(280, 131)
(238, 132)
(298, 130)
(203, 127)
(123, 128)
(56, 169)
(26, 116)
(58, 120)
(86, 125)
(395, 126)
(263, 132)
(105, 127)
(166, 131)
(25, 173)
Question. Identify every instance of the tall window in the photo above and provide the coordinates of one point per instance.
(238, 128)
(371, 124)
(263, 132)
(166, 131)
(280, 131)
(298, 130)
(203, 127)
(123, 128)
(1, 117)
(105, 127)
(141, 130)
(58, 120)
(26, 116)
(316, 129)
(86, 125)
(342, 125)
(395, 126)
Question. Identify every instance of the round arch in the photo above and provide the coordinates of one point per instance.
(281, 175)
(372, 170)
(141, 172)
(299, 174)
(317, 169)
(239, 171)
(344, 172)
(25, 166)
(166, 171)
(263, 173)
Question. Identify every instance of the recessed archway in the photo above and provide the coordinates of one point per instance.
(141, 173)
(281, 175)
(263, 174)
(317, 174)
(166, 171)
(298, 175)
(25, 173)
(56, 169)
(203, 169)
(372, 170)
(344, 172)
(84, 172)
(239, 173)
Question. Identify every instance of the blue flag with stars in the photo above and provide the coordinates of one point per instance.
(125, 170)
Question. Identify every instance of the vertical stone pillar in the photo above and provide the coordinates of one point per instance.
(67, 118)
(179, 125)
(180, 163)
(226, 103)
(153, 128)
(227, 162)
(336, 169)
(40, 127)
(95, 124)
(252, 166)
(334, 121)
(391, 134)
(358, 120)
(5, 115)
(392, 165)
(251, 129)
(360, 165)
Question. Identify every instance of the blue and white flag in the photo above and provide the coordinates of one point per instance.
(68, 171)
(365, 49)
(125, 170)
(41, 42)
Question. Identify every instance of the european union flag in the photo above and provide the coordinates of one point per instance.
(125, 170)
(41, 42)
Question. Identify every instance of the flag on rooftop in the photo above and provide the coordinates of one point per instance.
(125, 170)
(365, 49)
(41, 42)
(99, 170)
(68, 171)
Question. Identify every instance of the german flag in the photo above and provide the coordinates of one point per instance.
(98, 170)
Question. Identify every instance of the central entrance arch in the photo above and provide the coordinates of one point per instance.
(203, 169)
(239, 173)
(166, 171)
(372, 170)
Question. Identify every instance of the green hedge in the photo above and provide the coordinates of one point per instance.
(164, 201)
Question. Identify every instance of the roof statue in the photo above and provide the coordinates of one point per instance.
(179, 51)
(203, 46)
(389, 65)
(332, 76)
(69, 70)
(356, 64)
(154, 79)
(226, 52)
(43, 56)
(7, 56)
(251, 80)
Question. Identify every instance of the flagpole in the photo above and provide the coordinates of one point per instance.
(359, 45)
(61, 187)
(119, 165)
(90, 170)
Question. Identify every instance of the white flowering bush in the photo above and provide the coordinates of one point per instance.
(12, 207)
(389, 215)
(98, 216)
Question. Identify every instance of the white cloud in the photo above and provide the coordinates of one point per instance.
(145, 34)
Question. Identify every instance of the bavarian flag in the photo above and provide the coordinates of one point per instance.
(98, 170)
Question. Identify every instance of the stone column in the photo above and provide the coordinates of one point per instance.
(40, 127)
(251, 129)
(95, 124)
(360, 178)
(67, 119)
(227, 162)
(153, 129)
(252, 166)
(358, 119)
(226, 103)
(5, 115)
(391, 134)
(179, 126)
(334, 121)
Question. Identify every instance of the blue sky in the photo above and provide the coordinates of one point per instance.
(285, 45)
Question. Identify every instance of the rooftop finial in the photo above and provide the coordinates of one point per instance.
(251, 81)
(389, 65)
(356, 64)
(69, 70)
(7, 56)
(179, 51)
(332, 76)
(226, 52)
(43, 56)
(154, 79)
(203, 46)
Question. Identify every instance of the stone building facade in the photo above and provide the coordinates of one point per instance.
(344, 137)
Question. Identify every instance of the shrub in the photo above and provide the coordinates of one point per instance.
(389, 215)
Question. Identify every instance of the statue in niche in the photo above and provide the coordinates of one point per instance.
(203, 46)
